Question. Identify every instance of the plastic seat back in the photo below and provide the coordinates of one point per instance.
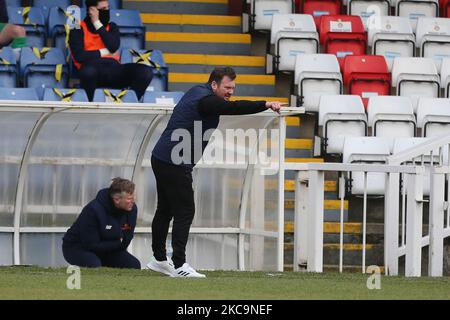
(163, 97)
(43, 68)
(367, 76)
(8, 68)
(433, 116)
(391, 117)
(391, 37)
(316, 75)
(318, 8)
(415, 78)
(433, 38)
(343, 35)
(18, 94)
(264, 10)
(33, 21)
(292, 34)
(414, 9)
(153, 59)
(366, 150)
(132, 31)
(341, 116)
(65, 95)
(115, 96)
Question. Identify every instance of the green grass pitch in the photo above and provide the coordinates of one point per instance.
(105, 283)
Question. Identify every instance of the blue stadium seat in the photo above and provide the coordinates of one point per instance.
(58, 18)
(152, 58)
(115, 95)
(46, 5)
(113, 4)
(18, 94)
(43, 68)
(132, 31)
(163, 97)
(13, 3)
(67, 95)
(32, 19)
(8, 68)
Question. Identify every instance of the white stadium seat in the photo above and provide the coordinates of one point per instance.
(263, 10)
(415, 78)
(433, 116)
(413, 9)
(433, 39)
(366, 150)
(391, 37)
(391, 117)
(445, 76)
(365, 9)
(291, 35)
(341, 116)
(316, 75)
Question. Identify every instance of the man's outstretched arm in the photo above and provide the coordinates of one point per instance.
(214, 105)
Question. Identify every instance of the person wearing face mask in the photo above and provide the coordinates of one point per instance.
(102, 232)
(95, 50)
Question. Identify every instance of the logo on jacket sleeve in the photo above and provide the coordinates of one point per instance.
(108, 227)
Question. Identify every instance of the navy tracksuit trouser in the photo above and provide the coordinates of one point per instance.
(83, 258)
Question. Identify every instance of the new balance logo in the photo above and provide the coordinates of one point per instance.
(108, 227)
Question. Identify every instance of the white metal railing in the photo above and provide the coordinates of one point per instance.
(309, 212)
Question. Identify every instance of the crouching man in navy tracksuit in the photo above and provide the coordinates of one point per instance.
(104, 229)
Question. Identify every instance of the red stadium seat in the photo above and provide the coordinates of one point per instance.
(366, 76)
(343, 35)
(444, 6)
(318, 8)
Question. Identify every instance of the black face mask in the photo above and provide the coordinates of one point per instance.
(103, 16)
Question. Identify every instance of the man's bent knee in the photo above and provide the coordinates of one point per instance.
(14, 31)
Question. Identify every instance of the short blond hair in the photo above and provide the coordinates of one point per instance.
(120, 185)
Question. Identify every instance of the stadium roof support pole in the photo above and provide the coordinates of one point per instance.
(414, 215)
(300, 220)
(23, 170)
(245, 195)
(435, 252)
(280, 239)
(391, 218)
(315, 221)
(137, 169)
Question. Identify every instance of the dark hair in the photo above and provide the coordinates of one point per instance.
(219, 72)
(120, 185)
(92, 3)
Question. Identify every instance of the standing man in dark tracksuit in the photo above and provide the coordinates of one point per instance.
(204, 104)
(95, 49)
(104, 229)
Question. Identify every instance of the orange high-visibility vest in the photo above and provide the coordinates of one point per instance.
(93, 41)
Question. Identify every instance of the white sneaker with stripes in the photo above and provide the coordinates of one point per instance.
(165, 267)
(186, 271)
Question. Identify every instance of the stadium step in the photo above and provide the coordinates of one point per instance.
(191, 23)
(202, 43)
(246, 84)
(179, 6)
(352, 254)
(203, 63)
(335, 268)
